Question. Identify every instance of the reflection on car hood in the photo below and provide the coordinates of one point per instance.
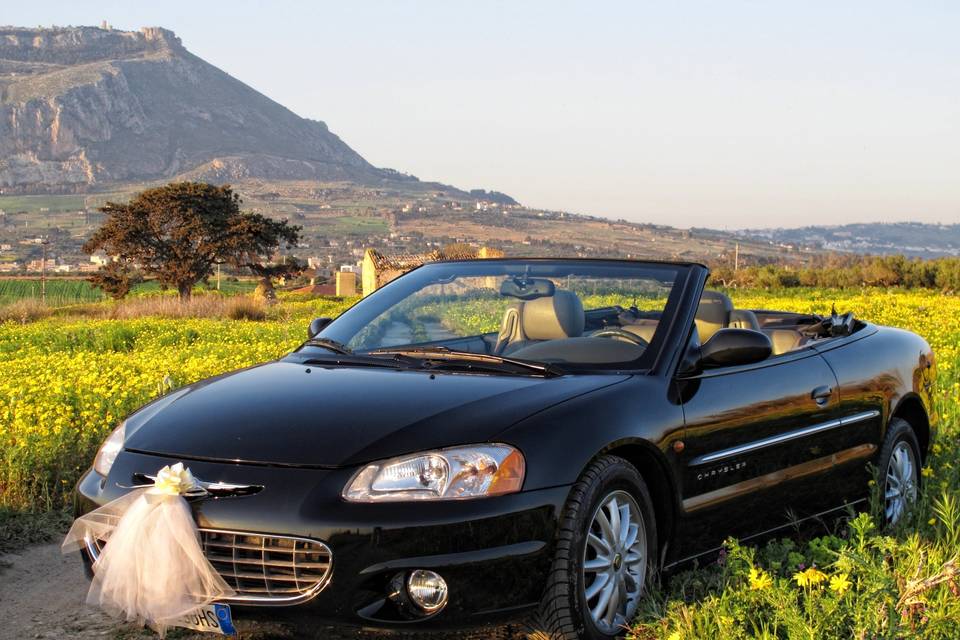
(290, 414)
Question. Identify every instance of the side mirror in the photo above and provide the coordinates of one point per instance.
(317, 325)
(728, 347)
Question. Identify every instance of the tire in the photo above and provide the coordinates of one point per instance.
(565, 609)
(898, 493)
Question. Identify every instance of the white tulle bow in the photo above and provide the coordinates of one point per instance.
(151, 569)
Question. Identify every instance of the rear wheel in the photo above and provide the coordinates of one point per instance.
(606, 552)
(899, 464)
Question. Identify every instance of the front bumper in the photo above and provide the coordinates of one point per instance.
(494, 553)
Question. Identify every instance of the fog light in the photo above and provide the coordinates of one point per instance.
(427, 590)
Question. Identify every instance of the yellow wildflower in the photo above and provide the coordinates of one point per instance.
(759, 579)
(927, 472)
(809, 577)
(840, 583)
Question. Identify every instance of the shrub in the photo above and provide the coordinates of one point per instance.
(246, 308)
(23, 311)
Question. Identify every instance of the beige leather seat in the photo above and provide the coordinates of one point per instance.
(784, 340)
(549, 318)
(716, 312)
(644, 329)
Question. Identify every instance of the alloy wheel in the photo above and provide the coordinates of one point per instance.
(614, 562)
(900, 491)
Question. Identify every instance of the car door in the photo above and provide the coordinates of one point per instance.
(758, 445)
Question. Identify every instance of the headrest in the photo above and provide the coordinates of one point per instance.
(553, 317)
(743, 319)
(713, 313)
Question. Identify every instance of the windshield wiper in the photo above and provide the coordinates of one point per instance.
(347, 359)
(330, 344)
(438, 354)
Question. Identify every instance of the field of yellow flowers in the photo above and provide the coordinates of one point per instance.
(65, 383)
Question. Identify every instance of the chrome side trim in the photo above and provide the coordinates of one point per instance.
(802, 470)
(782, 437)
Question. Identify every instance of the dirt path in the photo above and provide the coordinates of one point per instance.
(42, 595)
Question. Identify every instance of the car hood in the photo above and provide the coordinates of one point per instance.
(285, 413)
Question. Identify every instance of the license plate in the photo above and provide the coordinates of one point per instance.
(213, 618)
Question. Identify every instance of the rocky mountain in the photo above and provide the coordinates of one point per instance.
(83, 107)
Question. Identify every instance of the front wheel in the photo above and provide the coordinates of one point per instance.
(606, 553)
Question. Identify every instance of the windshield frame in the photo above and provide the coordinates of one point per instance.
(370, 307)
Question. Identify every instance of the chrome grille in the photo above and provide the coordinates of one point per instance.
(263, 569)
(267, 568)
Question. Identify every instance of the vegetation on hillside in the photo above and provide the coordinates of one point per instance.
(846, 271)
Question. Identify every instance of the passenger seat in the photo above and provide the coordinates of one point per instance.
(784, 340)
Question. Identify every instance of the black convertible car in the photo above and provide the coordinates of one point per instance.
(526, 439)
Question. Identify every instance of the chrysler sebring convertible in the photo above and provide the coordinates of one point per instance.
(533, 440)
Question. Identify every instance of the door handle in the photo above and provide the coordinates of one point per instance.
(821, 395)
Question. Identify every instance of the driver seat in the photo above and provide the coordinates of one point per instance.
(549, 318)
(716, 312)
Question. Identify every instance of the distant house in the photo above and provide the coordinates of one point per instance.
(38, 265)
(379, 269)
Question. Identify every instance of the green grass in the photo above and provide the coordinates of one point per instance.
(353, 225)
(60, 292)
(66, 291)
(16, 204)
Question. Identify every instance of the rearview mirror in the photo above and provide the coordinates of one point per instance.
(316, 326)
(729, 347)
(527, 288)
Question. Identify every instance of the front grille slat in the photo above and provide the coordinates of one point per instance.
(217, 558)
(219, 544)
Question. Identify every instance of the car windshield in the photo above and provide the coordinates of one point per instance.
(565, 312)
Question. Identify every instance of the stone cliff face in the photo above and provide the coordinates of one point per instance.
(81, 107)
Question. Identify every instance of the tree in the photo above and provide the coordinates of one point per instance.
(179, 232)
(254, 238)
(115, 279)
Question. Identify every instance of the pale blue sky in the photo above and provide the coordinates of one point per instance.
(725, 114)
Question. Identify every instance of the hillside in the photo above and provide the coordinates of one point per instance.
(89, 115)
(908, 238)
(84, 108)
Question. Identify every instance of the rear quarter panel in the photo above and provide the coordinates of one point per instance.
(884, 368)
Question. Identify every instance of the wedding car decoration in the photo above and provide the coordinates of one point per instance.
(151, 569)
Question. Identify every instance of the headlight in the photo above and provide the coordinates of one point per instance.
(446, 474)
(109, 450)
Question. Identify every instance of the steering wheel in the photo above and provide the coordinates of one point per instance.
(616, 333)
